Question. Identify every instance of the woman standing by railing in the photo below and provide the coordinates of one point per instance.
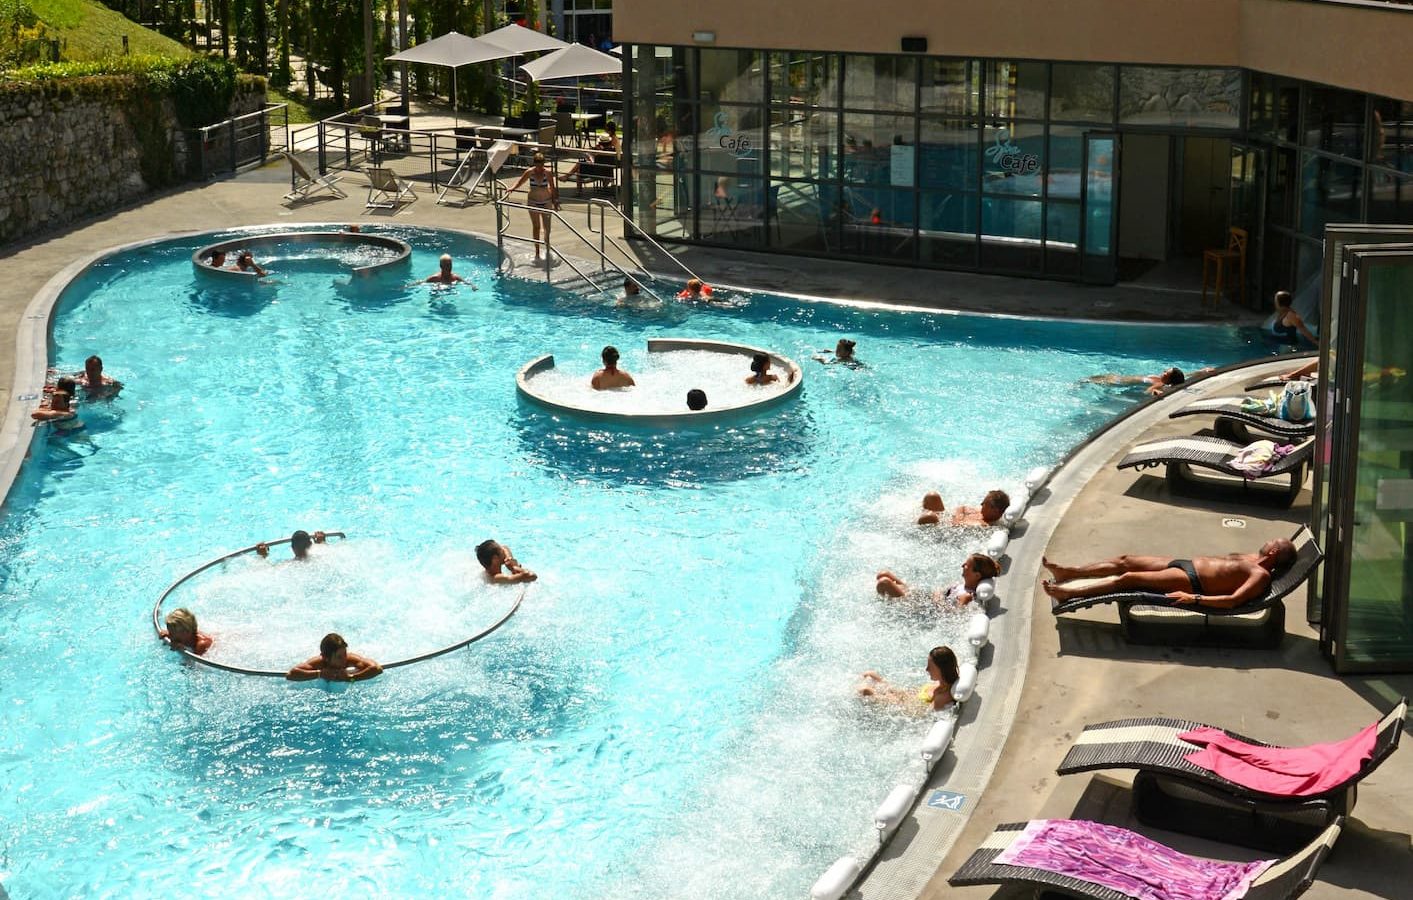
(543, 196)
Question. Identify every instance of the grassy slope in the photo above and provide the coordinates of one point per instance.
(91, 30)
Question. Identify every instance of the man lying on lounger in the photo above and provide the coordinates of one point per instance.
(1222, 582)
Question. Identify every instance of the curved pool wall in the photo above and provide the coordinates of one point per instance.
(524, 383)
(691, 771)
(401, 250)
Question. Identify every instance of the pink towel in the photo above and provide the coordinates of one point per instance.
(1281, 771)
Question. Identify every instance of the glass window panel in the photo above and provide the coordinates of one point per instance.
(879, 149)
(1100, 170)
(1390, 198)
(808, 79)
(1066, 168)
(1275, 107)
(803, 215)
(947, 153)
(664, 137)
(947, 227)
(731, 76)
(1379, 618)
(1169, 95)
(803, 142)
(1015, 89)
(1329, 192)
(1334, 121)
(731, 139)
(1010, 234)
(662, 203)
(880, 82)
(1392, 143)
(878, 222)
(1062, 238)
(949, 87)
(1081, 93)
(659, 70)
(1280, 189)
(1013, 160)
(736, 211)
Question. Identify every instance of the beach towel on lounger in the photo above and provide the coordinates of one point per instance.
(1126, 862)
(1282, 771)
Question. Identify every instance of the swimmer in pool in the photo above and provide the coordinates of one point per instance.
(335, 662)
(216, 259)
(932, 509)
(445, 275)
(59, 413)
(992, 507)
(843, 354)
(933, 696)
(610, 376)
(246, 263)
(182, 633)
(760, 367)
(299, 544)
(696, 400)
(494, 557)
(976, 567)
(96, 385)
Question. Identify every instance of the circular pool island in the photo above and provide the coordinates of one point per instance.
(670, 368)
(360, 253)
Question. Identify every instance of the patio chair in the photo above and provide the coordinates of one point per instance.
(1283, 879)
(386, 190)
(1179, 455)
(303, 185)
(1171, 793)
(1230, 416)
(1153, 618)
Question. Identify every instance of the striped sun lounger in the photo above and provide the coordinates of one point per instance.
(1228, 411)
(1170, 792)
(1179, 455)
(1284, 879)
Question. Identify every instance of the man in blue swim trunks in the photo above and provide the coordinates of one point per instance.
(1221, 582)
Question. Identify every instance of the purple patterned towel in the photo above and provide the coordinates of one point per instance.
(1117, 858)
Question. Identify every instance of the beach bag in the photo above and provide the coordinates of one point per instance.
(1297, 403)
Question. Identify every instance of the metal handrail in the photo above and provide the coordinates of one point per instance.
(503, 231)
(604, 205)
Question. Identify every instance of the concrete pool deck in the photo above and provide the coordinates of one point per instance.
(1078, 671)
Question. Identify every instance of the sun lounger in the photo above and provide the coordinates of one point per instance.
(1274, 383)
(1179, 455)
(303, 185)
(1230, 415)
(386, 190)
(1284, 879)
(1170, 792)
(1153, 618)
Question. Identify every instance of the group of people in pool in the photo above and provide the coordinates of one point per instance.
(610, 377)
(245, 262)
(58, 407)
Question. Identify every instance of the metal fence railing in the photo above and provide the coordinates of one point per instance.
(237, 142)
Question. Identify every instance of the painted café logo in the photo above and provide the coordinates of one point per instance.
(1009, 157)
(720, 134)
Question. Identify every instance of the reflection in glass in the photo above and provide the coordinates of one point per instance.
(1013, 159)
(1081, 93)
(1015, 89)
(947, 227)
(1329, 192)
(659, 70)
(948, 87)
(736, 212)
(731, 76)
(1010, 233)
(878, 222)
(1171, 95)
(879, 149)
(1066, 162)
(1334, 121)
(1390, 198)
(731, 139)
(880, 82)
(1392, 143)
(803, 142)
(805, 79)
(947, 153)
(802, 215)
(1275, 107)
(662, 203)
(1062, 238)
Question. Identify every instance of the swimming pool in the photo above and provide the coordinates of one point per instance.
(669, 714)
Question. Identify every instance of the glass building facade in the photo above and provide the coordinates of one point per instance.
(1009, 166)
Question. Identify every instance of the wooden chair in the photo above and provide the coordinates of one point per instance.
(1218, 265)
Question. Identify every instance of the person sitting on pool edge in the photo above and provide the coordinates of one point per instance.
(993, 506)
(216, 259)
(445, 275)
(1221, 582)
(335, 662)
(182, 633)
(696, 400)
(299, 544)
(96, 385)
(493, 557)
(934, 696)
(976, 567)
(245, 262)
(610, 376)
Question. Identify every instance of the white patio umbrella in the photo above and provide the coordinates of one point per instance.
(573, 61)
(521, 40)
(452, 51)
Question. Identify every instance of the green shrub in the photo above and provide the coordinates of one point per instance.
(200, 87)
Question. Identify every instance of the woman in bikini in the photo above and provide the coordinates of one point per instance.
(1287, 325)
(931, 697)
(544, 196)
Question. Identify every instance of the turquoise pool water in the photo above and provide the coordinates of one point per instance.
(670, 713)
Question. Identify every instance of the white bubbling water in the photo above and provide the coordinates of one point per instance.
(663, 380)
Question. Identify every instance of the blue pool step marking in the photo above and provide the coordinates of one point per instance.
(947, 800)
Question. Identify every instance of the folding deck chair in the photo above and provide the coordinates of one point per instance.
(1232, 420)
(386, 190)
(1170, 792)
(1282, 880)
(304, 185)
(1180, 455)
(1153, 618)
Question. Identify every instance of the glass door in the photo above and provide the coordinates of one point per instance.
(1101, 194)
(1373, 585)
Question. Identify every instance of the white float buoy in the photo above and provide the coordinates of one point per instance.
(996, 544)
(1036, 477)
(836, 879)
(939, 738)
(891, 811)
(966, 682)
(985, 591)
(978, 631)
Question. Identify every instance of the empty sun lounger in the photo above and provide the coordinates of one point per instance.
(1179, 455)
(1170, 792)
(1280, 880)
(1230, 418)
(303, 185)
(386, 190)
(1153, 618)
